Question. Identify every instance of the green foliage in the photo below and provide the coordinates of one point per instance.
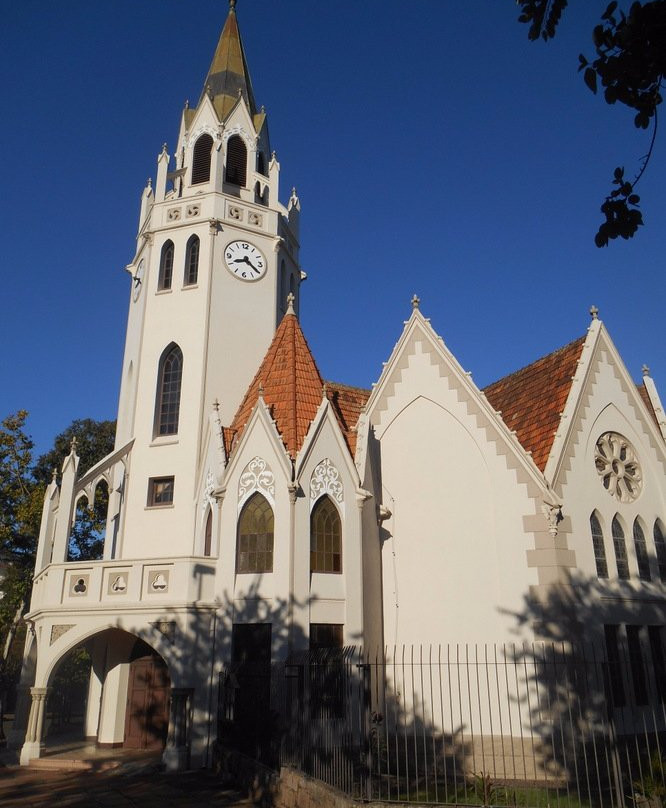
(630, 65)
(94, 440)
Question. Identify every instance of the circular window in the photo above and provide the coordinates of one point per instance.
(618, 467)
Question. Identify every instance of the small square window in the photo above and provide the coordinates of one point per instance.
(160, 491)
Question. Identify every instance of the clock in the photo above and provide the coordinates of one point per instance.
(137, 280)
(244, 261)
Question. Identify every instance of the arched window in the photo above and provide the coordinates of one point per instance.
(208, 533)
(201, 159)
(660, 548)
(166, 266)
(191, 261)
(167, 400)
(255, 536)
(641, 552)
(236, 161)
(261, 163)
(620, 550)
(598, 545)
(325, 537)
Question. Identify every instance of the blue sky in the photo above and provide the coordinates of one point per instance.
(435, 150)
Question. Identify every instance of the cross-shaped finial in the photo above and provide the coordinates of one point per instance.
(290, 303)
(72, 445)
(216, 405)
(646, 370)
(232, 4)
(54, 474)
(415, 302)
(261, 389)
(594, 311)
(164, 148)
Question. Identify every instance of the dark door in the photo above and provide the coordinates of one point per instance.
(251, 663)
(147, 714)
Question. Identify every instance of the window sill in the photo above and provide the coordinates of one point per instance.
(167, 440)
(187, 286)
(159, 507)
(164, 291)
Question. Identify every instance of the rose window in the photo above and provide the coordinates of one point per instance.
(618, 467)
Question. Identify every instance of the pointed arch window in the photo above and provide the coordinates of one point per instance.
(598, 545)
(191, 261)
(620, 550)
(254, 551)
(642, 557)
(660, 548)
(236, 168)
(208, 533)
(325, 537)
(201, 159)
(166, 266)
(169, 378)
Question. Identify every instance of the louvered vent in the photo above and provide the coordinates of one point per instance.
(236, 161)
(201, 159)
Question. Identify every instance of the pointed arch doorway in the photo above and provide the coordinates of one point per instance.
(148, 689)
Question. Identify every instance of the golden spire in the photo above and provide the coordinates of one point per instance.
(228, 76)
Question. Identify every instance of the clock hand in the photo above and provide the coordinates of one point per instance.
(242, 260)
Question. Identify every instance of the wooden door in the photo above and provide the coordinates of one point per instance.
(147, 713)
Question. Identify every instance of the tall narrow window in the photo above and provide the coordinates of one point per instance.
(236, 161)
(636, 664)
(598, 545)
(261, 163)
(208, 533)
(201, 159)
(167, 404)
(641, 552)
(325, 537)
(166, 266)
(255, 536)
(660, 548)
(191, 261)
(620, 550)
(658, 662)
(615, 693)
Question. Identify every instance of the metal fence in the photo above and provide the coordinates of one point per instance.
(531, 725)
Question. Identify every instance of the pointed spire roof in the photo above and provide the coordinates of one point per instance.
(228, 74)
(290, 384)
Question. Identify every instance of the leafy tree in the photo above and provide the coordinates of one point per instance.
(22, 487)
(630, 65)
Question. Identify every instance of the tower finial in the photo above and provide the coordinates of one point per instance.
(415, 302)
(232, 5)
(594, 311)
(646, 370)
(290, 303)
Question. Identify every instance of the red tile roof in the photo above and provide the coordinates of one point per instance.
(643, 393)
(293, 388)
(532, 399)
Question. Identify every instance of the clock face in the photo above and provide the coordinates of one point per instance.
(244, 261)
(137, 280)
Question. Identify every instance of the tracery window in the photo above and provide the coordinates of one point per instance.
(201, 159)
(166, 266)
(598, 545)
(255, 536)
(642, 557)
(191, 261)
(660, 549)
(236, 168)
(167, 403)
(620, 550)
(325, 537)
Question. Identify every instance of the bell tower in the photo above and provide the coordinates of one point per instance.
(216, 257)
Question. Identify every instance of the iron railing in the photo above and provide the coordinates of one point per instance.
(532, 725)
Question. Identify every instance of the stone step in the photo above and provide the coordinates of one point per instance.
(72, 765)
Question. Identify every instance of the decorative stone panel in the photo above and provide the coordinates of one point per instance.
(255, 219)
(78, 584)
(158, 582)
(256, 476)
(235, 213)
(173, 214)
(58, 630)
(117, 583)
(192, 210)
(325, 479)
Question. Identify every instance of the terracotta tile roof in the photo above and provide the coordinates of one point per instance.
(347, 403)
(531, 399)
(292, 386)
(643, 393)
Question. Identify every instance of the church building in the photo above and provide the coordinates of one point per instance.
(257, 509)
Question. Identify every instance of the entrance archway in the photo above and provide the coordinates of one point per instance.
(148, 690)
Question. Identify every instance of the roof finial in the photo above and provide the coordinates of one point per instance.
(646, 370)
(415, 302)
(594, 311)
(232, 5)
(324, 390)
(261, 389)
(54, 474)
(216, 405)
(72, 445)
(290, 303)
(164, 148)
(187, 103)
